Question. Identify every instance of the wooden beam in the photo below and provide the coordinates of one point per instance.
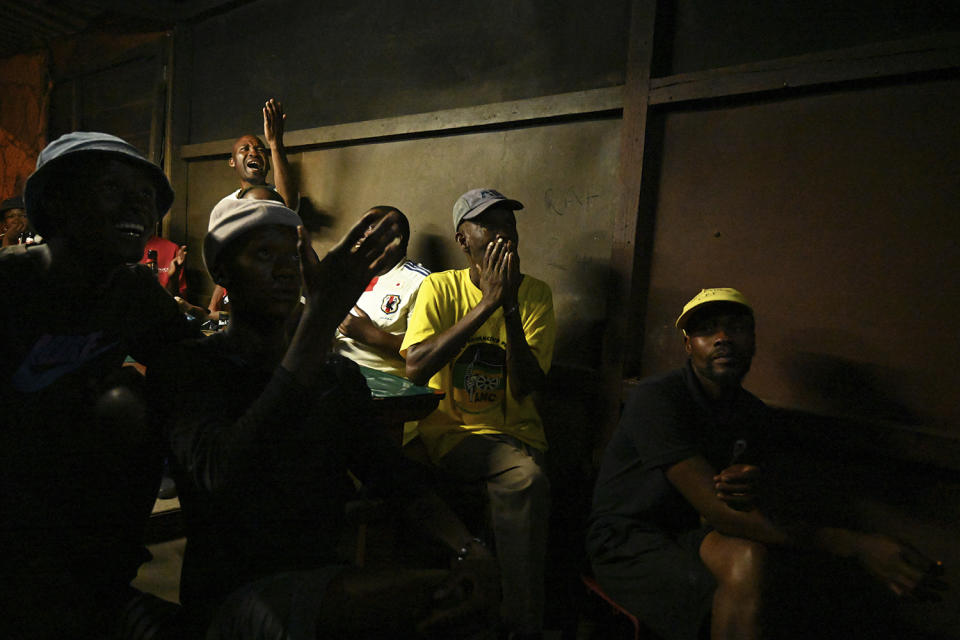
(624, 291)
(873, 61)
(158, 103)
(901, 57)
(177, 132)
(563, 105)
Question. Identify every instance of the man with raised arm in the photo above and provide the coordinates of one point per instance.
(679, 528)
(250, 160)
(484, 335)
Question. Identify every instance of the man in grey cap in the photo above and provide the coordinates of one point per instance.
(79, 467)
(680, 533)
(484, 335)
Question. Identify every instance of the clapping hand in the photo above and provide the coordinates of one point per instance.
(339, 279)
(500, 273)
(178, 260)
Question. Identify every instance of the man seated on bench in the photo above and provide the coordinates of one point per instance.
(679, 529)
(484, 335)
(264, 423)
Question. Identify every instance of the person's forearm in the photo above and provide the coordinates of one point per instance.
(283, 175)
(693, 478)
(835, 541)
(172, 285)
(304, 357)
(523, 369)
(752, 525)
(216, 450)
(383, 340)
(424, 359)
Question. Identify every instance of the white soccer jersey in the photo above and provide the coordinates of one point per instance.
(388, 300)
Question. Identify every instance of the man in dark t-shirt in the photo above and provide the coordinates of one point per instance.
(79, 468)
(677, 530)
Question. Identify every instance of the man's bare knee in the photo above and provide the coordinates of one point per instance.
(736, 563)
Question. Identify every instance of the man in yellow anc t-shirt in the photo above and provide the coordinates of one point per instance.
(484, 335)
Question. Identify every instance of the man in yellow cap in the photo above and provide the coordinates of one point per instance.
(678, 534)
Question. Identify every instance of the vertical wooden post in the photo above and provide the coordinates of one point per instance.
(178, 131)
(618, 338)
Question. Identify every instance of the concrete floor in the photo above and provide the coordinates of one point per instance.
(161, 577)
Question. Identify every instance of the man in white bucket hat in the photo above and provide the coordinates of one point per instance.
(79, 467)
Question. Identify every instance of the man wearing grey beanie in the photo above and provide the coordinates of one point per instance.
(264, 423)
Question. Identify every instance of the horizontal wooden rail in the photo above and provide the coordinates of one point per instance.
(875, 61)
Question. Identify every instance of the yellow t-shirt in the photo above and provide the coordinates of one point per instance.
(478, 398)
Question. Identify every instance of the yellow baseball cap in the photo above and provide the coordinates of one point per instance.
(707, 296)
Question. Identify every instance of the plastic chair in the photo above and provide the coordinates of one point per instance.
(592, 585)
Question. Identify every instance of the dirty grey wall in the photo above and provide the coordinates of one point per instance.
(695, 35)
(564, 229)
(336, 62)
(351, 60)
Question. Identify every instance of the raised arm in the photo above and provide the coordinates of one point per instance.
(273, 124)
(175, 272)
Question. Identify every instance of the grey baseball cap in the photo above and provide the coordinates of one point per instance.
(232, 217)
(76, 146)
(476, 201)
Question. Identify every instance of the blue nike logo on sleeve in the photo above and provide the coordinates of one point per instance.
(55, 356)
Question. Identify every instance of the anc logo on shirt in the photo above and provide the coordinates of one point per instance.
(390, 303)
(479, 378)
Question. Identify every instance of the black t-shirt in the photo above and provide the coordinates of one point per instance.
(74, 493)
(261, 463)
(668, 419)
